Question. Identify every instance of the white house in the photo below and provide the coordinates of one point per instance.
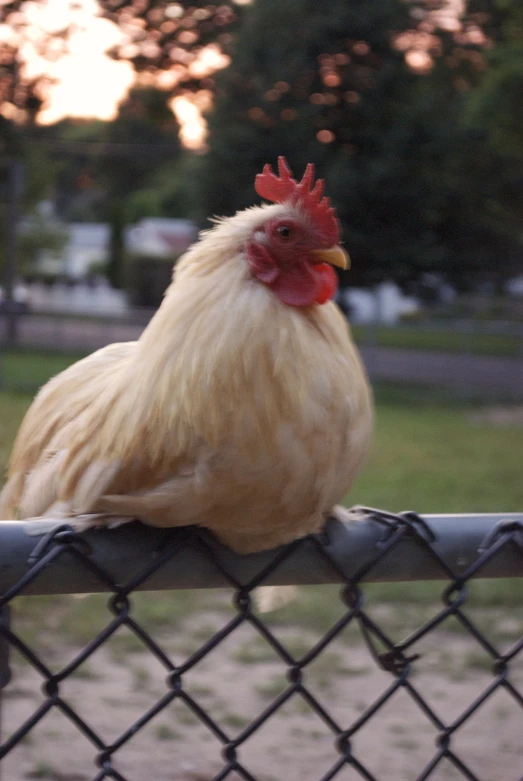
(160, 236)
(88, 244)
(514, 286)
(385, 304)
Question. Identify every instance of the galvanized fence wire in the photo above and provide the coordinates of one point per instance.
(398, 659)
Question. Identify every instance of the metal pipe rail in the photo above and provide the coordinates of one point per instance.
(441, 544)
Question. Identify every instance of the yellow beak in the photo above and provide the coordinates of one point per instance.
(336, 256)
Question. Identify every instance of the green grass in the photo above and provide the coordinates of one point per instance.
(254, 652)
(166, 732)
(271, 687)
(416, 337)
(12, 410)
(27, 370)
(436, 459)
(42, 770)
(77, 622)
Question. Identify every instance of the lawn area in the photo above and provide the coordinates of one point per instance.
(424, 336)
(441, 457)
(27, 370)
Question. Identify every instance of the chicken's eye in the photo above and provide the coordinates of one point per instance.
(285, 232)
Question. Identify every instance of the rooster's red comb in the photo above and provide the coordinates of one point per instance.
(284, 188)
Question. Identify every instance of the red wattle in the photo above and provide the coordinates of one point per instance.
(297, 286)
(329, 282)
(306, 284)
(300, 284)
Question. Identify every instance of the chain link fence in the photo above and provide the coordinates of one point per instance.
(372, 546)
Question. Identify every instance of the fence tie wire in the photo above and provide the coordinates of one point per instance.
(504, 531)
(413, 523)
(64, 534)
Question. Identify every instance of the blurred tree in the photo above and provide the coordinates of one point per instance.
(38, 233)
(374, 93)
(143, 136)
(167, 192)
(118, 171)
(299, 76)
(21, 97)
(172, 37)
(497, 20)
(494, 110)
(496, 105)
(77, 148)
(37, 174)
(430, 198)
(416, 190)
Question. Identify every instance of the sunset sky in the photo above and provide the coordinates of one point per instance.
(88, 83)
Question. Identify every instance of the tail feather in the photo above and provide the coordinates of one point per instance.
(10, 495)
(79, 523)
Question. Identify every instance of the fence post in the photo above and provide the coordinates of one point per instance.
(15, 194)
(5, 672)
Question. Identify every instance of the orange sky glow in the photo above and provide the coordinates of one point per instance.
(83, 80)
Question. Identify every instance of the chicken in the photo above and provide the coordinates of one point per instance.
(243, 407)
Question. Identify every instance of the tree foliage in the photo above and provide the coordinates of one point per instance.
(496, 105)
(110, 164)
(414, 120)
(170, 37)
(21, 95)
(38, 233)
(416, 189)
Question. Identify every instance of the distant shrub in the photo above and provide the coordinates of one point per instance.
(147, 279)
(481, 308)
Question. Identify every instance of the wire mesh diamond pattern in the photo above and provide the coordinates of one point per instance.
(398, 660)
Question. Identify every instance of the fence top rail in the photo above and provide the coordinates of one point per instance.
(427, 550)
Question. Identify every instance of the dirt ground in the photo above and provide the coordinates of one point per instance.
(242, 676)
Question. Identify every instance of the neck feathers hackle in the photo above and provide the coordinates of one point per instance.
(284, 188)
